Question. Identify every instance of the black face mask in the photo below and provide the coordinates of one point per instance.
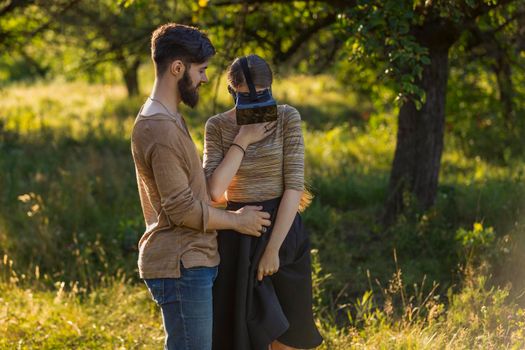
(253, 107)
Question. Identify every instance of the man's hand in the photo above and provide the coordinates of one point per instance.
(252, 221)
(269, 263)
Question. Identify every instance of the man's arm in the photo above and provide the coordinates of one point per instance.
(183, 209)
(248, 220)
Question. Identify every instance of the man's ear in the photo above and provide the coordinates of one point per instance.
(177, 68)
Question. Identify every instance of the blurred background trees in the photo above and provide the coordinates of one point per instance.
(407, 47)
(414, 114)
(413, 120)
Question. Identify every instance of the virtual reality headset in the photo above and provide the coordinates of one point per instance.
(253, 107)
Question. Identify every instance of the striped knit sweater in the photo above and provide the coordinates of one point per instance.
(269, 167)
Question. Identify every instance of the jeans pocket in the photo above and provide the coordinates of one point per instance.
(156, 289)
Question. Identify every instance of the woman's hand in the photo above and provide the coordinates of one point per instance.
(253, 133)
(269, 263)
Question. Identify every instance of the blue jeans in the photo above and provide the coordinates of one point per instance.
(187, 308)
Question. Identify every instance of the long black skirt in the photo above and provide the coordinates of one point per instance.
(248, 314)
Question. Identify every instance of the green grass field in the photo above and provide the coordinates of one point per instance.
(450, 278)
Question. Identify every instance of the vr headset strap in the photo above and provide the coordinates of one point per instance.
(248, 78)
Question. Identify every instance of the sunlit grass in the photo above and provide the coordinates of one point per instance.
(118, 316)
(73, 109)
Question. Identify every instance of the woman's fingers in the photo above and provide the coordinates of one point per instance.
(265, 128)
(261, 273)
(257, 132)
(269, 127)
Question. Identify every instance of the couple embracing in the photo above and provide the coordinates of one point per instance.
(237, 278)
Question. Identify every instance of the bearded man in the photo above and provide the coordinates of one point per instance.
(178, 255)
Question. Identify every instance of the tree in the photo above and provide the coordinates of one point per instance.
(294, 36)
(293, 33)
(492, 49)
(120, 32)
(428, 30)
(22, 22)
(87, 32)
(409, 43)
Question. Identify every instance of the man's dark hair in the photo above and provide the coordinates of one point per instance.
(172, 41)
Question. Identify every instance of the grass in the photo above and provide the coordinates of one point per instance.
(71, 218)
(120, 315)
(116, 316)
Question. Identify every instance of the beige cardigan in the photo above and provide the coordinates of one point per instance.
(269, 167)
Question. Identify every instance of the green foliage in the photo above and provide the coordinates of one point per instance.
(478, 238)
(381, 32)
(290, 34)
(485, 95)
(106, 42)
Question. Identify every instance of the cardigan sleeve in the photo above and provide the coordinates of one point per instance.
(293, 150)
(213, 152)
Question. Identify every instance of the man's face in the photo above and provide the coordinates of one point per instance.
(189, 84)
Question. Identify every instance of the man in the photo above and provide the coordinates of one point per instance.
(178, 255)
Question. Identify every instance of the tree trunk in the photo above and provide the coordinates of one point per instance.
(503, 73)
(417, 157)
(131, 77)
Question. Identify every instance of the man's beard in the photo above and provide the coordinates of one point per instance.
(188, 93)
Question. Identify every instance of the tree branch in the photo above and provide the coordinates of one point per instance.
(482, 8)
(14, 5)
(306, 35)
(44, 26)
(341, 4)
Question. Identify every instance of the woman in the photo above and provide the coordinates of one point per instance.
(263, 292)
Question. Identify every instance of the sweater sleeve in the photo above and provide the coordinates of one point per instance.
(213, 153)
(176, 196)
(293, 150)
